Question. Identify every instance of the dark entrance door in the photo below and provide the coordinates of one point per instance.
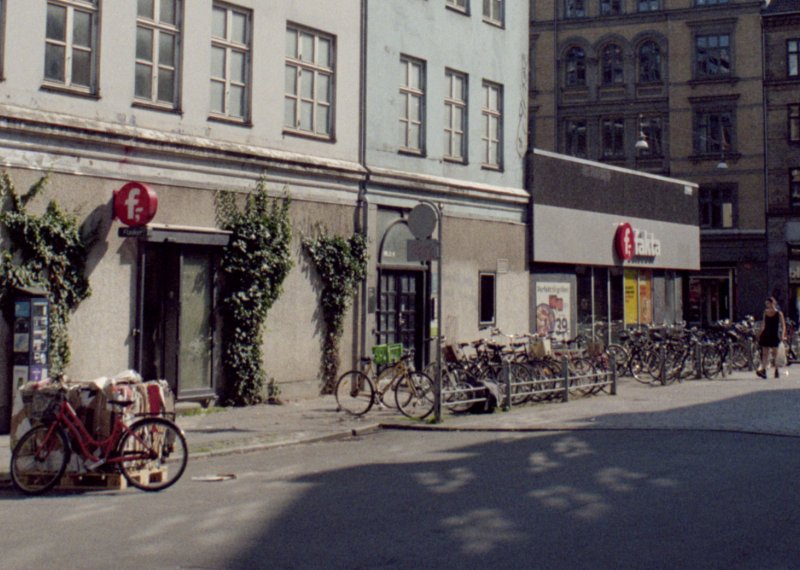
(401, 311)
(177, 318)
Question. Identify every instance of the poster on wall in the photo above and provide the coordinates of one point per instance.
(553, 310)
(646, 297)
(631, 298)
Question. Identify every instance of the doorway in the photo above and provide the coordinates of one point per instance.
(177, 340)
(401, 310)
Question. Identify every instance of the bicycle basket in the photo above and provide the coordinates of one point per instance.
(387, 353)
(42, 407)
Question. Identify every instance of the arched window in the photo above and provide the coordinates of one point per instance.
(649, 63)
(612, 65)
(576, 66)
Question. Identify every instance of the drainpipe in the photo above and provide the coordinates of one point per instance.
(556, 126)
(362, 204)
(765, 118)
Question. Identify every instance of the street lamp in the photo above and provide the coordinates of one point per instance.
(641, 144)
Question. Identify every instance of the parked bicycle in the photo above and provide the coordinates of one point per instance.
(151, 453)
(358, 390)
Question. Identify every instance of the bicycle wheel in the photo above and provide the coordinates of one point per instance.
(620, 355)
(355, 393)
(39, 459)
(414, 393)
(152, 454)
(711, 362)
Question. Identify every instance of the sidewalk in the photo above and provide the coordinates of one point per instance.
(742, 402)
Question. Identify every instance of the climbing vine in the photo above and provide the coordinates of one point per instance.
(254, 265)
(47, 252)
(341, 264)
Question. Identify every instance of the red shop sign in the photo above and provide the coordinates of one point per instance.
(625, 241)
(135, 204)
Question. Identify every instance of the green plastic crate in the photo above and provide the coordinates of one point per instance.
(387, 353)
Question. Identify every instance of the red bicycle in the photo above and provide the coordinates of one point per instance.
(151, 453)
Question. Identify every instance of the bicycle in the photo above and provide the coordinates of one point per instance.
(358, 390)
(151, 453)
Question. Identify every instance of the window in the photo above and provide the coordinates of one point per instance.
(493, 11)
(610, 7)
(612, 68)
(230, 65)
(652, 131)
(460, 5)
(576, 67)
(576, 138)
(794, 123)
(575, 9)
(649, 63)
(709, 2)
(717, 206)
(487, 299)
(713, 55)
(412, 98)
(713, 132)
(157, 51)
(647, 5)
(455, 116)
(70, 58)
(793, 58)
(794, 187)
(613, 131)
(308, 106)
(492, 128)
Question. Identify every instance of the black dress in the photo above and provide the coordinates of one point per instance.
(770, 337)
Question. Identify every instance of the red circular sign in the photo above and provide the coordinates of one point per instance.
(624, 241)
(135, 204)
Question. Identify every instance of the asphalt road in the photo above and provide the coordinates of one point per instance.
(581, 499)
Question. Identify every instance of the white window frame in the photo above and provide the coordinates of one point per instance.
(481, 300)
(494, 12)
(412, 96)
(231, 47)
(302, 68)
(157, 27)
(455, 103)
(492, 125)
(92, 8)
(458, 5)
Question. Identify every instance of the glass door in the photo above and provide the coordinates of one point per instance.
(401, 310)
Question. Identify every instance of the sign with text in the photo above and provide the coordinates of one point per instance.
(553, 309)
(422, 250)
(135, 204)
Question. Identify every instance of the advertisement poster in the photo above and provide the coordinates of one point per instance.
(553, 310)
(631, 298)
(646, 297)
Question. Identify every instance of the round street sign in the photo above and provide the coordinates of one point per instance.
(422, 221)
(135, 204)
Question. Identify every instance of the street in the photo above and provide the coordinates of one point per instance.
(397, 499)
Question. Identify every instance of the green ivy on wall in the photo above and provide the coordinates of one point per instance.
(341, 264)
(47, 252)
(254, 266)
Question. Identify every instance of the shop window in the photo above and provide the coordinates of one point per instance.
(612, 68)
(576, 67)
(717, 207)
(488, 299)
(649, 62)
(613, 131)
(794, 123)
(793, 58)
(794, 187)
(576, 138)
(610, 7)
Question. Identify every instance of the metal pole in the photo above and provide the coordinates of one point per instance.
(438, 400)
(565, 374)
(613, 377)
(506, 369)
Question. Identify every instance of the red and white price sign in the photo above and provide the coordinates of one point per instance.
(135, 204)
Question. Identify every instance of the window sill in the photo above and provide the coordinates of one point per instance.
(141, 104)
(457, 9)
(308, 135)
(455, 160)
(726, 80)
(412, 152)
(494, 23)
(73, 91)
(230, 121)
(492, 167)
(715, 157)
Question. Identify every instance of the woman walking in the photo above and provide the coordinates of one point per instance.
(773, 331)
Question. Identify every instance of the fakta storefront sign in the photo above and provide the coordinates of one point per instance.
(631, 242)
(135, 204)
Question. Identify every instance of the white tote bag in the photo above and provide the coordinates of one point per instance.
(780, 358)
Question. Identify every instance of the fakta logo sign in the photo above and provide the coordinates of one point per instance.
(631, 242)
(135, 204)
